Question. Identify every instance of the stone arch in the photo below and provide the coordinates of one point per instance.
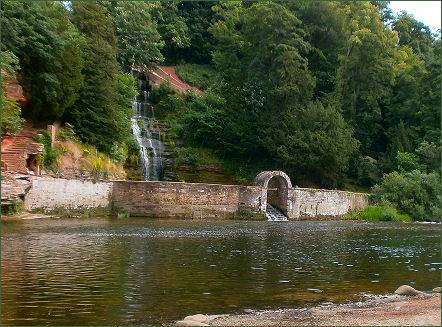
(278, 198)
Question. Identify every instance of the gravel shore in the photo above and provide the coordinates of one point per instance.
(392, 310)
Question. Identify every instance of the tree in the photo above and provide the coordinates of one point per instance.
(138, 40)
(95, 115)
(366, 72)
(173, 29)
(48, 46)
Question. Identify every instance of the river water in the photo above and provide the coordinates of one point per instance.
(139, 271)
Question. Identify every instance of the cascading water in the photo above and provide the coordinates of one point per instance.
(274, 214)
(146, 131)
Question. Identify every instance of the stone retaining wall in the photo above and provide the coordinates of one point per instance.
(183, 200)
(308, 203)
(49, 193)
(186, 200)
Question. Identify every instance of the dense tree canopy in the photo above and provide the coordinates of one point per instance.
(337, 93)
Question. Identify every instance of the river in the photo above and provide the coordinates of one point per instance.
(106, 271)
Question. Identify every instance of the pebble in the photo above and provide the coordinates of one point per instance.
(436, 290)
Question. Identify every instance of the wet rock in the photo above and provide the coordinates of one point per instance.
(198, 317)
(407, 290)
(436, 290)
(190, 323)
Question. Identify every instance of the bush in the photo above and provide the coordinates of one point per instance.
(199, 76)
(414, 193)
(67, 133)
(48, 159)
(119, 152)
(381, 213)
(10, 117)
(187, 156)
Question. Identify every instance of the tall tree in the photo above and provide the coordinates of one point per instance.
(138, 40)
(366, 72)
(94, 114)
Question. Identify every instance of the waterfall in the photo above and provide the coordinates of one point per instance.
(146, 131)
(274, 214)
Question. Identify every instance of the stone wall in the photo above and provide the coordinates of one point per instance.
(309, 203)
(49, 193)
(183, 200)
(188, 200)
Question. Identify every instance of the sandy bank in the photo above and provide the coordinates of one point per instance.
(391, 310)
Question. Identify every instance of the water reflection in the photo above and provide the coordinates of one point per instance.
(136, 271)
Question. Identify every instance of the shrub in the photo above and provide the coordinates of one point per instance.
(200, 76)
(118, 152)
(414, 193)
(187, 156)
(48, 159)
(381, 213)
(10, 117)
(67, 133)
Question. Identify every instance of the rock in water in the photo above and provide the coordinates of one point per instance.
(190, 323)
(436, 290)
(198, 317)
(407, 290)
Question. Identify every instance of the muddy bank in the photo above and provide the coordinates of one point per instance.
(389, 310)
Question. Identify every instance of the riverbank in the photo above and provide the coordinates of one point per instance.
(392, 310)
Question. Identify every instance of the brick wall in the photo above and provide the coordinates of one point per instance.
(183, 200)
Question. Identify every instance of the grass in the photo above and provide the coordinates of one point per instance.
(200, 76)
(379, 213)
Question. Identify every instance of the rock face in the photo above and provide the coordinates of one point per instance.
(407, 290)
(13, 90)
(436, 290)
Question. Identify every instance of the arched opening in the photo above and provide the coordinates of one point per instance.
(275, 190)
(277, 194)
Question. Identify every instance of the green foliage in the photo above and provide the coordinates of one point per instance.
(380, 213)
(102, 111)
(48, 159)
(67, 133)
(9, 63)
(48, 46)
(138, 40)
(186, 156)
(119, 152)
(415, 193)
(172, 27)
(407, 162)
(10, 117)
(12, 209)
(200, 76)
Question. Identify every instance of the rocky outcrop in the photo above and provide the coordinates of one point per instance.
(14, 188)
(13, 90)
(407, 291)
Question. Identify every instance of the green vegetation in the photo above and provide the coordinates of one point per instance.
(380, 213)
(10, 117)
(200, 76)
(48, 159)
(12, 208)
(337, 94)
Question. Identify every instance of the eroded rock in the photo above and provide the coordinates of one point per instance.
(407, 290)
